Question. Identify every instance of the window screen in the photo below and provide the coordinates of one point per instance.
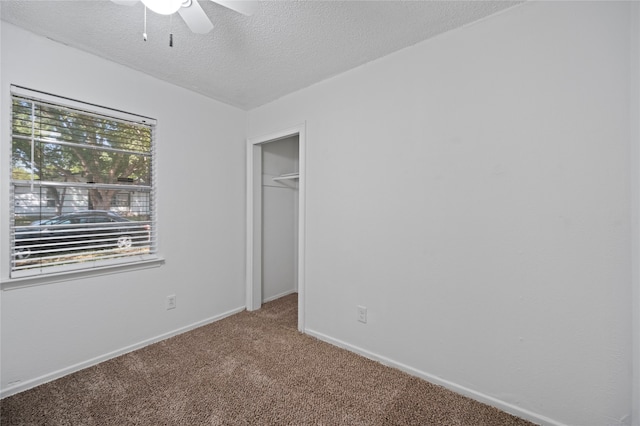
(82, 186)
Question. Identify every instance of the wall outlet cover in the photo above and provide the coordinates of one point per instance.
(171, 302)
(362, 314)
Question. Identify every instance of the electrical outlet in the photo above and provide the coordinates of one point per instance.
(362, 314)
(171, 302)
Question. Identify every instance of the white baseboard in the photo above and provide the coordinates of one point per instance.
(278, 296)
(478, 396)
(28, 384)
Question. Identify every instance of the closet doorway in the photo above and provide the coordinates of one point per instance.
(276, 218)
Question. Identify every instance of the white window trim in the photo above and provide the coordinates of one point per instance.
(104, 268)
(75, 104)
(151, 261)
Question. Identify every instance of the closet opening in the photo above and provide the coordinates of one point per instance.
(275, 218)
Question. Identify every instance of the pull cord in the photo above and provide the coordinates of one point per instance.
(144, 33)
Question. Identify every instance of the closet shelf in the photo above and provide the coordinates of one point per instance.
(287, 176)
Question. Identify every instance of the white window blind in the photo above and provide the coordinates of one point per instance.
(82, 185)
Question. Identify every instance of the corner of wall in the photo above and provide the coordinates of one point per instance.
(635, 207)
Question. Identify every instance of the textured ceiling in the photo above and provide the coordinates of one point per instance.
(247, 61)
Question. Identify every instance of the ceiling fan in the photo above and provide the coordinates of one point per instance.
(191, 12)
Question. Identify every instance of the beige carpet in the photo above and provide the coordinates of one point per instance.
(253, 368)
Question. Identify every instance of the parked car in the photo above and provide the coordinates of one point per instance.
(45, 221)
(79, 231)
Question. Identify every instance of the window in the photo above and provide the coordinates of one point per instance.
(121, 199)
(82, 187)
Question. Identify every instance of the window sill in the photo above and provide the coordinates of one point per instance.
(36, 280)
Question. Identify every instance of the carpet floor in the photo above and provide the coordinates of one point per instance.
(253, 368)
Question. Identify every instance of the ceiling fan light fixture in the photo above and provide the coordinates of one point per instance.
(163, 7)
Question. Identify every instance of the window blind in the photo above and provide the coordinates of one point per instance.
(82, 185)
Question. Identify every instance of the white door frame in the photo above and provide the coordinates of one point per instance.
(254, 218)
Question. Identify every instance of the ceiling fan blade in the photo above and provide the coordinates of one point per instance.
(195, 18)
(246, 7)
(125, 2)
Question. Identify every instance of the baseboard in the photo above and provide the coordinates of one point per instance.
(278, 296)
(478, 396)
(28, 384)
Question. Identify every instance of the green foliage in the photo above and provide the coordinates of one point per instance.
(75, 146)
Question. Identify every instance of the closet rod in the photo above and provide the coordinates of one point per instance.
(287, 176)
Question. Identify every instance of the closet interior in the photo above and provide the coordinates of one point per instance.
(280, 166)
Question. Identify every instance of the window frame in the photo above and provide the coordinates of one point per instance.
(97, 265)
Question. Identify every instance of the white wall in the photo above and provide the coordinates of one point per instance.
(473, 192)
(52, 329)
(279, 219)
(635, 197)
